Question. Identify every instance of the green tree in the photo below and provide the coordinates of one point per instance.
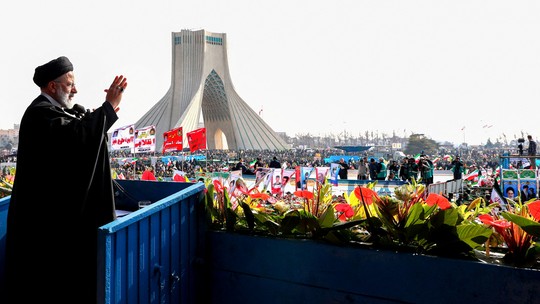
(418, 143)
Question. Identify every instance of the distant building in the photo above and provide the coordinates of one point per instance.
(9, 138)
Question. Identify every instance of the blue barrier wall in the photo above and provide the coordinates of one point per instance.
(4, 205)
(147, 256)
(258, 269)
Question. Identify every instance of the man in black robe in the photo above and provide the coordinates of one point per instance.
(57, 206)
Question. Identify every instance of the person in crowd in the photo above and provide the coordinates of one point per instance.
(458, 168)
(148, 174)
(343, 168)
(373, 169)
(393, 170)
(531, 151)
(274, 163)
(412, 170)
(42, 211)
(426, 168)
(403, 170)
(258, 164)
(382, 170)
(241, 166)
(363, 169)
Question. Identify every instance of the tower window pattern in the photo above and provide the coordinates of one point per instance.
(177, 40)
(214, 40)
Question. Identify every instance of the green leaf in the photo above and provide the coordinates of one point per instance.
(328, 218)
(250, 219)
(529, 226)
(230, 219)
(415, 215)
(289, 222)
(448, 217)
(474, 235)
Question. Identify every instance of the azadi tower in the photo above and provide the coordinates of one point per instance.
(201, 85)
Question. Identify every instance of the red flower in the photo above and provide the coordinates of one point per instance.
(262, 196)
(218, 186)
(365, 194)
(345, 210)
(441, 201)
(489, 220)
(534, 209)
(304, 193)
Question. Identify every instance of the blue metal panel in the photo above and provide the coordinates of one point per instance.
(120, 266)
(144, 262)
(165, 256)
(4, 206)
(307, 271)
(155, 264)
(147, 252)
(175, 252)
(184, 237)
(192, 243)
(133, 264)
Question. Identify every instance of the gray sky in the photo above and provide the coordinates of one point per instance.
(316, 67)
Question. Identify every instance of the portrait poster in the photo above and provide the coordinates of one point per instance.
(334, 171)
(286, 179)
(321, 174)
(531, 187)
(306, 173)
(145, 140)
(123, 138)
(276, 181)
(510, 188)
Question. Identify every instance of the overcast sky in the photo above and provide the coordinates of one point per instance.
(453, 70)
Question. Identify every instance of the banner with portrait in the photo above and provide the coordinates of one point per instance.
(123, 138)
(321, 173)
(145, 140)
(334, 173)
(277, 181)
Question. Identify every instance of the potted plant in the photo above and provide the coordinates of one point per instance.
(411, 230)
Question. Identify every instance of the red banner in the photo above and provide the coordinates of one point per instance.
(172, 140)
(197, 139)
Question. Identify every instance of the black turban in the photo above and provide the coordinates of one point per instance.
(52, 70)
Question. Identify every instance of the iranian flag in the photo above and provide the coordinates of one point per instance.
(472, 176)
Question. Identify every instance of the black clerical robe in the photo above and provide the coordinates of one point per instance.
(61, 194)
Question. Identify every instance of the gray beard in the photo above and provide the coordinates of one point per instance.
(63, 100)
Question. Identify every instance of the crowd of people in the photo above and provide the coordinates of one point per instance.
(368, 166)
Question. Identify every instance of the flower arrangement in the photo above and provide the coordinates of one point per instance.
(6, 183)
(411, 220)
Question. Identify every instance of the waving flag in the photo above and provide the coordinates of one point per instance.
(497, 196)
(472, 176)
